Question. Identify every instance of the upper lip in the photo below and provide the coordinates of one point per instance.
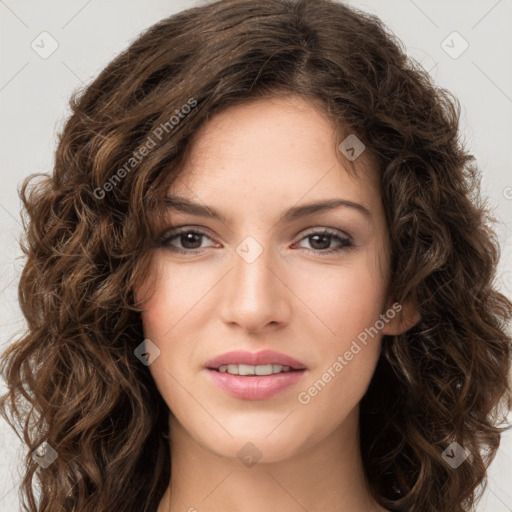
(255, 359)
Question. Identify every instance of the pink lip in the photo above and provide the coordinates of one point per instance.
(255, 359)
(254, 387)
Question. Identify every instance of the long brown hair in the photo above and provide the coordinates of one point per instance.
(73, 380)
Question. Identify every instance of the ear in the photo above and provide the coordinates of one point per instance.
(405, 316)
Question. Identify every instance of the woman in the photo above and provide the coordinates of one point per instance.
(260, 278)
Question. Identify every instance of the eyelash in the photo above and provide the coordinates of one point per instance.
(346, 244)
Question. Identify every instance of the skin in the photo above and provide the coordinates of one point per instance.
(252, 162)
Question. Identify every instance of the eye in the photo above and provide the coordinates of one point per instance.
(190, 241)
(321, 241)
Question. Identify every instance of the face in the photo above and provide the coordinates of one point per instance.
(253, 280)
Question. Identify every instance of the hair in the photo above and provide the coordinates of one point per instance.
(72, 377)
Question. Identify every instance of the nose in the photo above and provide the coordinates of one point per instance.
(255, 296)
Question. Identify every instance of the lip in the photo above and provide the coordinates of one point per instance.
(254, 387)
(255, 359)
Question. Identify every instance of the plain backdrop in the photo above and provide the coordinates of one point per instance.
(465, 45)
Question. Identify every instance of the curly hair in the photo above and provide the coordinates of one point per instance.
(72, 378)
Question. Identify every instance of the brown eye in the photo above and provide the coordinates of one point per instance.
(320, 242)
(189, 239)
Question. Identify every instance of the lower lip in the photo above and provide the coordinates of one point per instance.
(255, 387)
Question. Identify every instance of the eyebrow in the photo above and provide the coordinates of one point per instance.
(185, 205)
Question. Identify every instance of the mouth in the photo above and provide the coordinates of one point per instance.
(248, 370)
(254, 376)
(265, 362)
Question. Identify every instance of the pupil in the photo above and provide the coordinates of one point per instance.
(189, 238)
(315, 241)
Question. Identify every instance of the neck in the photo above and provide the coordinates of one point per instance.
(326, 476)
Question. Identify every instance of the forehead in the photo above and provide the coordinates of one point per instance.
(281, 150)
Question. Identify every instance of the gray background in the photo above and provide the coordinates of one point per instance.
(33, 105)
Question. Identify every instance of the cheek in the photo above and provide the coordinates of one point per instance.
(348, 301)
(176, 298)
(344, 299)
(348, 350)
(173, 319)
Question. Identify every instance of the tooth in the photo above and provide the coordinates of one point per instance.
(233, 368)
(263, 369)
(245, 369)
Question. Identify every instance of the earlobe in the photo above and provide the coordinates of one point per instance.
(408, 316)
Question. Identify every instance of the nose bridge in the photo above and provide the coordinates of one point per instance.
(255, 293)
(253, 262)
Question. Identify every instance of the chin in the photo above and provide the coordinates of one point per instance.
(258, 445)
